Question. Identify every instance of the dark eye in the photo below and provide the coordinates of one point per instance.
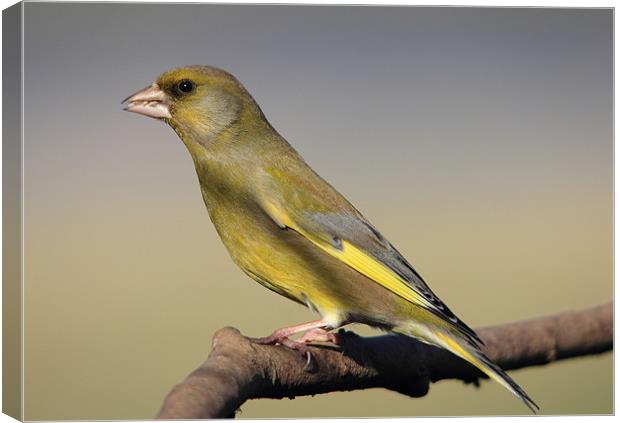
(186, 86)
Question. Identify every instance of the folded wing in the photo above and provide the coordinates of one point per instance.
(342, 232)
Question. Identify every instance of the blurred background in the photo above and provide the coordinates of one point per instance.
(478, 140)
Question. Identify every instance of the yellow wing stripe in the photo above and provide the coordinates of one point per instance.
(356, 259)
(371, 268)
(453, 346)
(375, 270)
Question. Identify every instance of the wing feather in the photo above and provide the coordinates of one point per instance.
(342, 232)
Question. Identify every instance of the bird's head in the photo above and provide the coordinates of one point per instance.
(199, 102)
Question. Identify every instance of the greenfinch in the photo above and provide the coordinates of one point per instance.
(291, 231)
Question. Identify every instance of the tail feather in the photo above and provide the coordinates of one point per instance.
(476, 357)
(496, 373)
(472, 354)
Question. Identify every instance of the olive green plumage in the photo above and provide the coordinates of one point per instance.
(291, 231)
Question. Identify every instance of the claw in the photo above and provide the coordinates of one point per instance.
(308, 361)
(298, 346)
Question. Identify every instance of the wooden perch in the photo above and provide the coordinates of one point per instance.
(238, 370)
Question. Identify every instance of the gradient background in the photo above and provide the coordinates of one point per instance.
(478, 140)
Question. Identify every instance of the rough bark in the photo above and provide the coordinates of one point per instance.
(238, 370)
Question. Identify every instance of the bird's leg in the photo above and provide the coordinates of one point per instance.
(283, 334)
(316, 331)
(320, 335)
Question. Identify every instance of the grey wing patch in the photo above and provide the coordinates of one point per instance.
(399, 265)
(356, 229)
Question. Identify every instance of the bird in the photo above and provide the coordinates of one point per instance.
(291, 231)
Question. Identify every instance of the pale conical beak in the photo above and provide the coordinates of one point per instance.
(151, 102)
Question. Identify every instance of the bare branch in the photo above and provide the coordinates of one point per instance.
(238, 370)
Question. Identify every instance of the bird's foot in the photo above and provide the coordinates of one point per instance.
(314, 332)
(284, 333)
(275, 338)
(303, 349)
(279, 338)
(320, 335)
